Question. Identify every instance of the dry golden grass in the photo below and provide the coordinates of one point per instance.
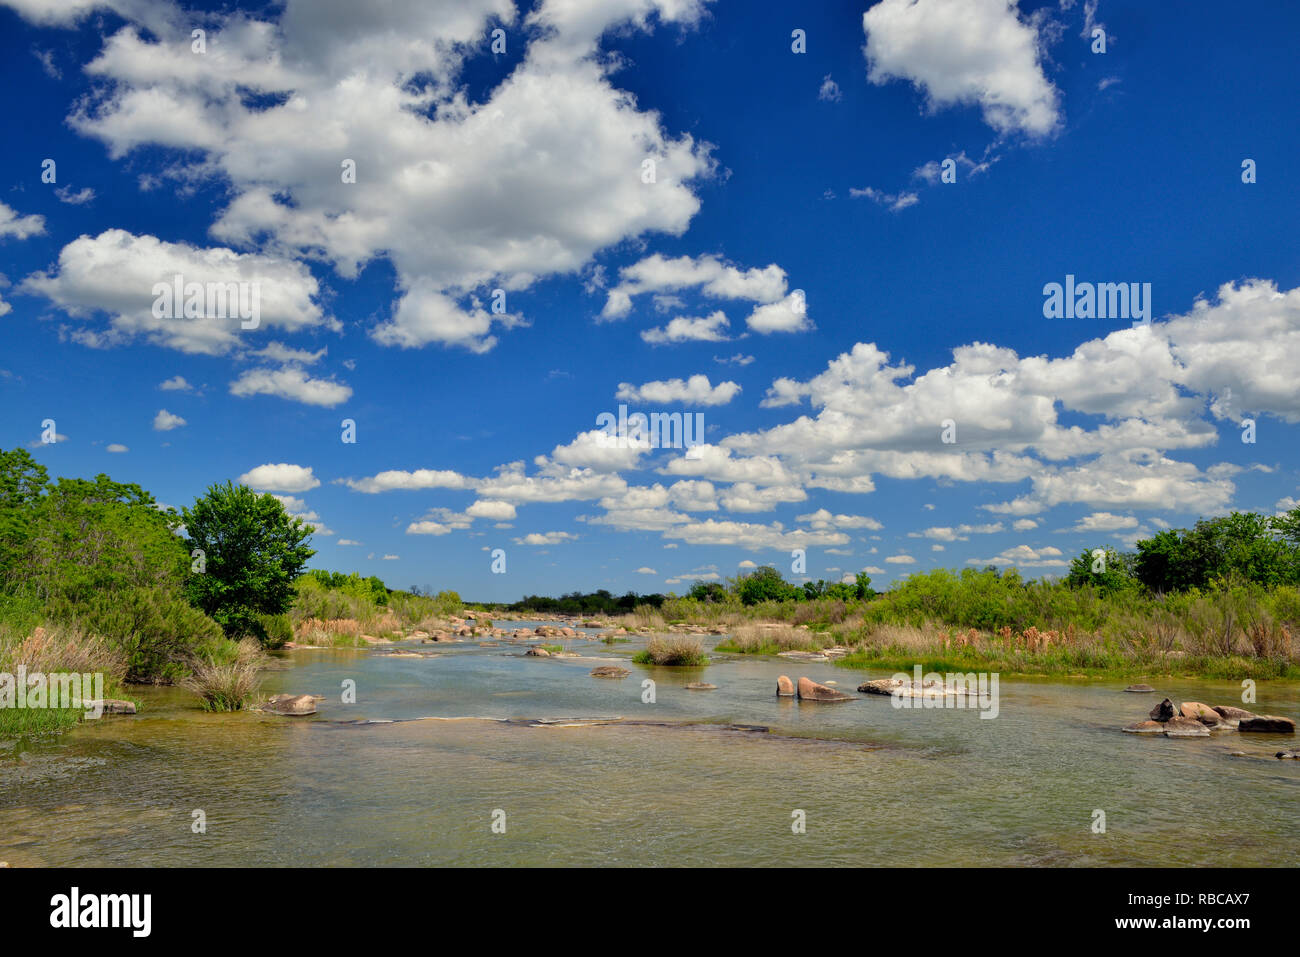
(63, 648)
(330, 633)
(673, 650)
(751, 638)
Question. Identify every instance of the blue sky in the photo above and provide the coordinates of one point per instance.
(798, 249)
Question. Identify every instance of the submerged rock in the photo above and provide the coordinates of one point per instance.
(803, 655)
(537, 653)
(115, 706)
(1139, 689)
(291, 705)
(701, 686)
(609, 671)
(1180, 727)
(1164, 711)
(810, 690)
(1269, 723)
(784, 687)
(1146, 727)
(881, 686)
(1292, 753)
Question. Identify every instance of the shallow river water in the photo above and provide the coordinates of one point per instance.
(877, 785)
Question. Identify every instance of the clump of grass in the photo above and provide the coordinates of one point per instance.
(677, 650)
(552, 649)
(331, 632)
(771, 639)
(56, 650)
(226, 678)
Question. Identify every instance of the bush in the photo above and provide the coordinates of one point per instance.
(156, 629)
(276, 631)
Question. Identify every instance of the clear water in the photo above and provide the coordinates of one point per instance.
(877, 785)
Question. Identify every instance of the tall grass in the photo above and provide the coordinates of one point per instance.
(754, 639)
(225, 678)
(675, 650)
(56, 649)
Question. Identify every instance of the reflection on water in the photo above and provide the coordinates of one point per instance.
(879, 786)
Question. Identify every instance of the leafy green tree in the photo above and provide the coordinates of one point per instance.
(22, 481)
(1243, 546)
(252, 551)
(1114, 571)
(101, 536)
(707, 591)
(766, 584)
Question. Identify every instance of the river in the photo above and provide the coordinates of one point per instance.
(869, 783)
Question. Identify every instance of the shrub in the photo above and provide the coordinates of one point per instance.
(156, 629)
(276, 630)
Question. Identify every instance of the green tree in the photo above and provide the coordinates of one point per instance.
(252, 551)
(765, 584)
(22, 481)
(1113, 571)
(101, 536)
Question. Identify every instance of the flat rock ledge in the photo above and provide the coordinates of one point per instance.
(291, 705)
(809, 690)
(609, 671)
(902, 688)
(1140, 689)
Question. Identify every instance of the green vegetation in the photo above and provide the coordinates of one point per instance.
(1221, 599)
(578, 604)
(97, 558)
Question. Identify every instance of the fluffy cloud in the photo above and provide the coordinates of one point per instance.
(460, 197)
(960, 533)
(693, 391)
(1024, 555)
(176, 383)
(1143, 393)
(711, 276)
(394, 479)
(165, 421)
(20, 227)
(964, 51)
(1104, 522)
(497, 511)
(545, 538)
(822, 518)
(291, 382)
(116, 271)
(710, 328)
(787, 315)
(281, 477)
